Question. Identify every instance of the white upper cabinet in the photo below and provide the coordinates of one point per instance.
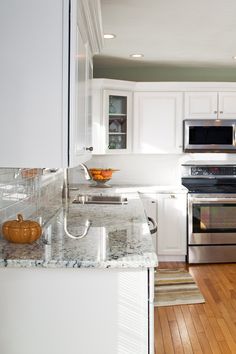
(78, 106)
(112, 116)
(117, 121)
(210, 105)
(227, 105)
(46, 49)
(149, 116)
(158, 122)
(200, 105)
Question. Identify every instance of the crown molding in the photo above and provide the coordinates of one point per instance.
(90, 15)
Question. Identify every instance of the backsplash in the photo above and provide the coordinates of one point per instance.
(27, 191)
(135, 169)
(146, 169)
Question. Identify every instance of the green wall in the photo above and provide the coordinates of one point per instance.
(164, 73)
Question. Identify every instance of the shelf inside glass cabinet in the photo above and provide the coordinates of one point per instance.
(117, 125)
(117, 141)
(117, 115)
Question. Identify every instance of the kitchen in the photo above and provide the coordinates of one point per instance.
(151, 165)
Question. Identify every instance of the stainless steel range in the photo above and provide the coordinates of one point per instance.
(211, 211)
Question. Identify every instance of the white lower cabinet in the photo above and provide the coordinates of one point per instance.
(172, 221)
(169, 211)
(76, 311)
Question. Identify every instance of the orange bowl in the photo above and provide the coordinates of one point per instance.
(101, 174)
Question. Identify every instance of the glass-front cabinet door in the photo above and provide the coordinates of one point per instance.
(118, 121)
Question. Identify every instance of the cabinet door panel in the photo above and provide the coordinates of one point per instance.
(171, 218)
(117, 121)
(88, 129)
(227, 105)
(77, 99)
(157, 122)
(200, 105)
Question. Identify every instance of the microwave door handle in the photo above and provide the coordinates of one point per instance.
(234, 135)
(186, 128)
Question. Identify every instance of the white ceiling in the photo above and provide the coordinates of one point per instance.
(199, 33)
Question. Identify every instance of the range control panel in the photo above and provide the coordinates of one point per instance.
(213, 171)
(208, 170)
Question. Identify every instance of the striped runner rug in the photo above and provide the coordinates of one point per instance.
(176, 287)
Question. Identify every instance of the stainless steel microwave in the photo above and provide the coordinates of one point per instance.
(209, 135)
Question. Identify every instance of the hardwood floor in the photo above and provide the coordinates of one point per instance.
(208, 328)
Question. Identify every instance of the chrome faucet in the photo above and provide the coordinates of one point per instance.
(66, 195)
(17, 173)
(65, 190)
(86, 172)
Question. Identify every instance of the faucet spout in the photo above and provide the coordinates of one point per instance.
(65, 190)
(86, 172)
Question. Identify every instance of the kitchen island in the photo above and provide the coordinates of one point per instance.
(81, 296)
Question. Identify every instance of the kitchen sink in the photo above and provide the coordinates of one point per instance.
(100, 199)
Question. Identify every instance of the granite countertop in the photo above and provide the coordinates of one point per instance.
(132, 188)
(118, 237)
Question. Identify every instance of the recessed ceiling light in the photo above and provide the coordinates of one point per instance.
(234, 57)
(109, 36)
(136, 55)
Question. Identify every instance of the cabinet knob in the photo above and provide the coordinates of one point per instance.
(172, 196)
(221, 112)
(89, 148)
(215, 112)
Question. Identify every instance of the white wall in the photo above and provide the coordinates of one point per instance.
(141, 169)
(135, 169)
(145, 169)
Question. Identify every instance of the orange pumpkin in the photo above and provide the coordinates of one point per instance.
(21, 231)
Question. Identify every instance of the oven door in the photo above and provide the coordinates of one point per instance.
(212, 219)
